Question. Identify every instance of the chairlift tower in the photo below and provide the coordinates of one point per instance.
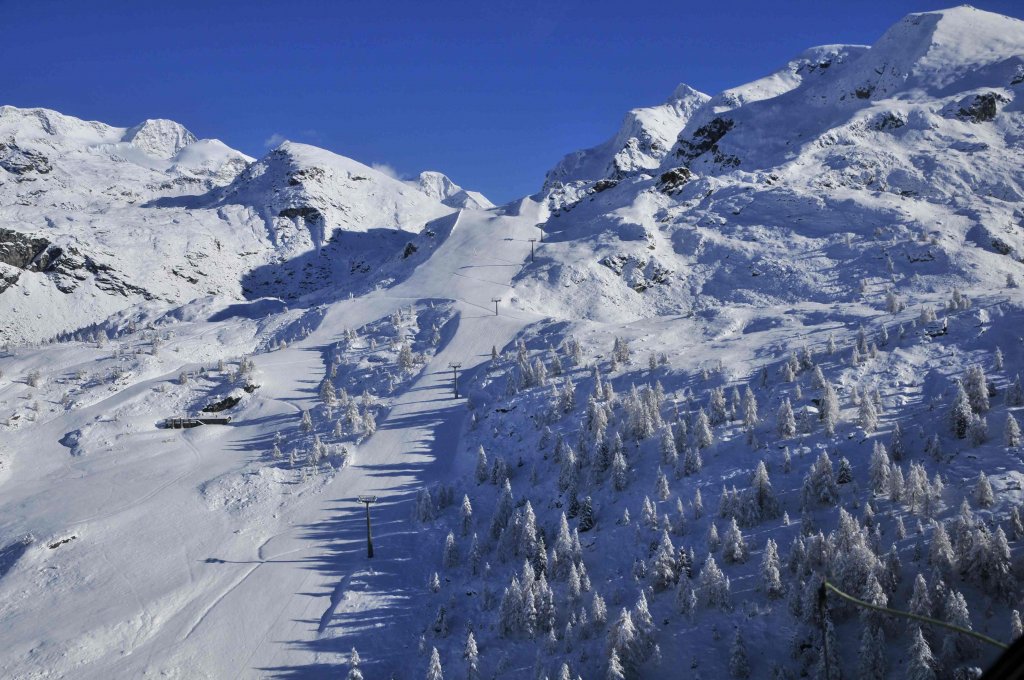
(455, 378)
(369, 536)
(495, 301)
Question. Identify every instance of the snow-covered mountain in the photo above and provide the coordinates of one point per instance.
(760, 340)
(95, 219)
(799, 185)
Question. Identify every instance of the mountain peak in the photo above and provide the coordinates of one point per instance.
(159, 137)
(440, 187)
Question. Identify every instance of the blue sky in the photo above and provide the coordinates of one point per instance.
(491, 93)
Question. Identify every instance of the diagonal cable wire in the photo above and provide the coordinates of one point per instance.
(926, 619)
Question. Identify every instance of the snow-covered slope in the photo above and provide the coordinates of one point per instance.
(779, 347)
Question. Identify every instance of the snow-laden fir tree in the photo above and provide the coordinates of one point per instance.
(983, 495)
(1011, 432)
(306, 421)
(819, 484)
(664, 568)
(668, 446)
(662, 487)
(829, 409)
(867, 416)
(1015, 392)
(451, 551)
(957, 647)
(896, 442)
(717, 412)
(761, 501)
(1016, 627)
(785, 421)
(940, 552)
(615, 668)
(692, 461)
(434, 671)
(586, 522)
(620, 471)
(871, 659)
(750, 418)
(771, 578)
(739, 663)
(961, 414)
(976, 387)
(702, 434)
(353, 666)
(735, 546)
(472, 656)
(713, 586)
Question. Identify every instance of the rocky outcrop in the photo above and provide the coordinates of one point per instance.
(705, 139)
(67, 266)
(22, 162)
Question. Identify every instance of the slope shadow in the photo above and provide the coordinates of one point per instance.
(391, 589)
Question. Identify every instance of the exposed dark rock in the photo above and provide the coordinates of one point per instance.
(674, 180)
(604, 185)
(306, 212)
(18, 161)
(705, 139)
(410, 248)
(20, 250)
(981, 108)
(222, 405)
(889, 120)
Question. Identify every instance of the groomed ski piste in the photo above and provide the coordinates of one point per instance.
(283, 564)
(753, 349)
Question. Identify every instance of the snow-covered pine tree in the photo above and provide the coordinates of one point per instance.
(771, 577)
(1011, 432)
(702, 433)
(867, 416)
(434, 671)
(983, 496)
(353, 666)
(871, 659)
(829, 408)
(586, 522)
(735, 547)
(957, 647)
(472, 656)
(739, 664)
(620, 471)
(977, 388)
(717, 411)
(750, 418)
(785, 421)
(961, 414)
(922, 663)
(940, 552)
(713, 586)
(819, 484)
